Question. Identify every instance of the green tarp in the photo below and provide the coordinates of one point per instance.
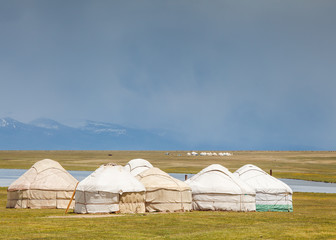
(274, 208)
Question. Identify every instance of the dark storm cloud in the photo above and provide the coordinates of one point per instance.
(248, 73)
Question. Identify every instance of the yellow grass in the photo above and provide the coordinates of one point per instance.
(314, 217)
(315, 165)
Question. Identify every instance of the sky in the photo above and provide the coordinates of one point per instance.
(250, 74)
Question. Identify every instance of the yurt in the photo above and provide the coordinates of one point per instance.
(110, 189)
(165, 193)
(216, 188)
(138, 165)
(271, 193)
(45, 185)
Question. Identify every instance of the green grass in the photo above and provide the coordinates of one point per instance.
(315, 165)
(314, 217)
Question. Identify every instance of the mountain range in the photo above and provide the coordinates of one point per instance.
(47, 134)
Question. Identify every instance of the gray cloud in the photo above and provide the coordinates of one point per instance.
(249, 74)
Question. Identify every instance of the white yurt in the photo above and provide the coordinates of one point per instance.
(138, 165)
(110, 189)
(165, 193)
(216, 188)
(45, 185)
(271, 193)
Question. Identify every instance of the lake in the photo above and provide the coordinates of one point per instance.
(7, 176)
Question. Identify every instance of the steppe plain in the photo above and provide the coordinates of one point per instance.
(314, 165)
(314, 215)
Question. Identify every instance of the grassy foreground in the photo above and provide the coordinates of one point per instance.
(314, 217)
(315, 165)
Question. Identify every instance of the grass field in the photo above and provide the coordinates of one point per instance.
(314, 217)
(315, 165)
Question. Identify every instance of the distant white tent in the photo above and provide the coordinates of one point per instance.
(271, 193)
(110, 189)
(216, 188)
(138, 165)
(45, 185)
(165, 193)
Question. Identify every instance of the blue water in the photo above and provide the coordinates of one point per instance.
(7, 176)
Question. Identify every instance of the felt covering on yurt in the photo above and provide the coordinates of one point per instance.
(165, 193)
(216, 188)
(45, 185)
(271, 193)
(110, 189)
(138, 165)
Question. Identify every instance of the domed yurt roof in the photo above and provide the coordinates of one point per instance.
(155, 178)
(261, 181)
(46, 174)
(111, 178)
(138, 165)
(217, 179)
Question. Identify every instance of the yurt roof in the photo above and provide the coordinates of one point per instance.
(154, 178)
(218, 179)
(138, 165)
(46, 174)
(109, 178)
(260, 180)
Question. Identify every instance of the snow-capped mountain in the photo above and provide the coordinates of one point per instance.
(47, 123)
(47, 134)
(10, 123)
(101, 128)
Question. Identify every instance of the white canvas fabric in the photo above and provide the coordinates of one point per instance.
(216, 188)
(138, 165)
(165, 193)
(271, 193)
(110, 189)
(45, 185)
